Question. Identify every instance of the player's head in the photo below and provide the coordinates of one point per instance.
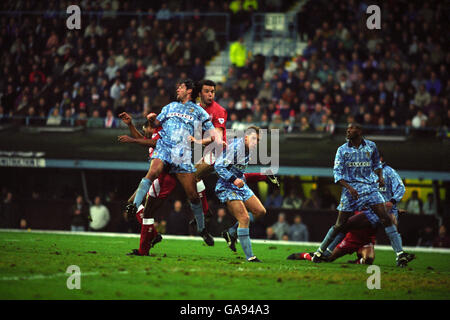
(186, 90)
(354, 130)
(207, 91)
(252, 136)
(148, 129)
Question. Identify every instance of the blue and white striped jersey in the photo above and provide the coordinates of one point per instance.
(180, 120)
(233, 161)
(357, 165)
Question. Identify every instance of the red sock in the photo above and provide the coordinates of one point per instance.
(305, 256)
(205, 204)
(139, 216)
(255, 177)
(146, 238)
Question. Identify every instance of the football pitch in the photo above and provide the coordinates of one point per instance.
(33, 266)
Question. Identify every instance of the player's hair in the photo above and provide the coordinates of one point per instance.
(190, 84)
(358, 125)
(253, 129)
(205, 82)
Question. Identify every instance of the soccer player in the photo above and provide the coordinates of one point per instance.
(362, 236)
(361, 241)
(173, 151)
(218, 116)
(232, 189)
(357, 168)
(158, 192)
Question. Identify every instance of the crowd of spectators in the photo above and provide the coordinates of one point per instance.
(127, 56)
(392, 78)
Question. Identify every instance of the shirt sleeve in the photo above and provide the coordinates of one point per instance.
(376, 163)
(219, 119)
(338, 169)
(163, 114)
(398, 188)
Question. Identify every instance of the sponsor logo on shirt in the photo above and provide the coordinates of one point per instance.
(177, 114)
(221, 120)
(359, 164)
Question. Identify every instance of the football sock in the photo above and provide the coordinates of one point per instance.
(147, 235)
(333, 244)
(305, 256)
(233, 229)
(327, 240)
(142, 190)
(244, 239)
(255, 177)
(139, 214)
(201, 190)
(198, 214)
(395, 238)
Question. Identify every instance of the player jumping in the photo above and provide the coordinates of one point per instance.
(173, 150)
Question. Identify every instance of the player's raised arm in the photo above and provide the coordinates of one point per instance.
(127, 119)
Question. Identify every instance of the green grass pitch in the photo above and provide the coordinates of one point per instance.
(33, 266)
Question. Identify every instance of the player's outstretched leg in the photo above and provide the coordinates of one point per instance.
(332, 233)
(403, 258)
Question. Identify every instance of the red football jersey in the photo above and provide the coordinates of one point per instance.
(155, 136)
(218, 116)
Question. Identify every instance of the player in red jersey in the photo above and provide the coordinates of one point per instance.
(361, 241)
(158, 192)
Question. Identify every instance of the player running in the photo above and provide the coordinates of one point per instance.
(232, 189)
(159, 189)
(358, 169)
(173, 151)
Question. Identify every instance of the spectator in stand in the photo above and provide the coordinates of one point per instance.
(430, 206)
(315, 202)
(426, 237)
(293, 201)
(79, 215)
(54, 119)
(414, 205)
(219, 222)
(177, 221)
(110, 120)
(422, 98)
(419, 119)
(281, 227)
(11, 217)
(442, 240)
(270, 234)
(274, 200)
(298, 231)
(100, 216)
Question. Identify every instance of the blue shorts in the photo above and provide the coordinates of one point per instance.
(373, 218)
(227, 191)
(178, 159)
(348, 204)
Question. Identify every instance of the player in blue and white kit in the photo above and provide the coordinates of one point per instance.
(232, 189)
(179, 120)
(358, 169)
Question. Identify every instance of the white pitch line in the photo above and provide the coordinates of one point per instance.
(173, 237)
